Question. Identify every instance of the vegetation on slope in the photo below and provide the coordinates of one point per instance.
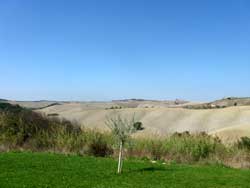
(20, 126)
(49, 105)
(223, 103)
(54, 170)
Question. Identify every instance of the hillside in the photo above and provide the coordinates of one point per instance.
(126, 103)
(139, 103)
(229, 118)
(222, 103)
(163, 121)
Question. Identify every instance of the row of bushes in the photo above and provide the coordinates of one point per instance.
(24, 129)
(180, 147)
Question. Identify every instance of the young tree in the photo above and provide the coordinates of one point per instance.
(122, 128)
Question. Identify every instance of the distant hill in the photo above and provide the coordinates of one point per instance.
(129, 100)
(222, 103)
(229, 118)
(33, 105)
(139, 103)
(144, 103)
(233, 101)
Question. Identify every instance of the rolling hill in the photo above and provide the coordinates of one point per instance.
(227, 118)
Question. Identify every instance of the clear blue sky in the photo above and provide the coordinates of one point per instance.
(114, 49)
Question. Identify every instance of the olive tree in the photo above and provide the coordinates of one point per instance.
(122, 128)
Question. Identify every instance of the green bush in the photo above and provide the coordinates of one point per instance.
(244, 143)
(180, 147)
(98, 145)
(192, 147)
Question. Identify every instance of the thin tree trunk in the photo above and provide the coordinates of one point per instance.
(119, 170)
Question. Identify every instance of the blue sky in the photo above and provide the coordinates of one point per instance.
(113, 49)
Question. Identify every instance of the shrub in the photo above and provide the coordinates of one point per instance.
(99, 145)
(244, 143)
(181, 147)
(192, 147)
(53, 114)
(138, 126)
(157, 151)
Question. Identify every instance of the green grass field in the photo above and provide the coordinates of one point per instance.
(55, 170)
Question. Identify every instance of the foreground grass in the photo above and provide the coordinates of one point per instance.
(55, 170)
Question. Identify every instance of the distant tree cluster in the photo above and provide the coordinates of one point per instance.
(114, 107)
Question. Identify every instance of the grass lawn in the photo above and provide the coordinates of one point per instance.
(54, 170)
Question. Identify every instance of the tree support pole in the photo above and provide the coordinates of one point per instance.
(119, 170)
